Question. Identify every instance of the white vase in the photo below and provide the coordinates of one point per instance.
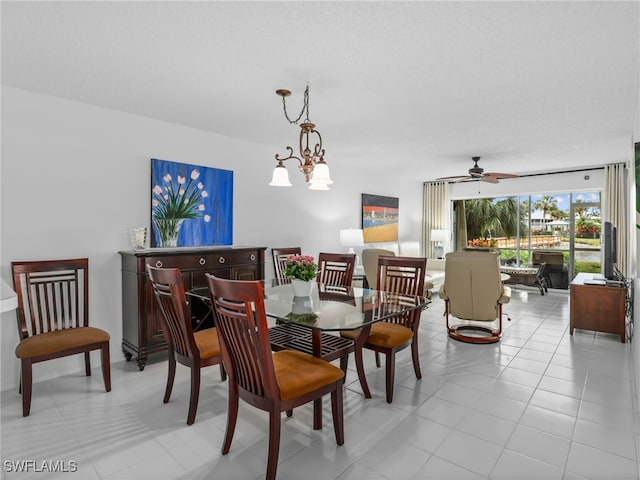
(301, 288)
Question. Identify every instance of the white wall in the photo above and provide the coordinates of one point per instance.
(74, 177)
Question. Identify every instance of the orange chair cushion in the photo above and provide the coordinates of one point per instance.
(208, 343)
(299, 373)
(59, 341)
(352, 334)
(389, 335)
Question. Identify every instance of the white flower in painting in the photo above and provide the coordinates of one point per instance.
(207, 218)
(182, 197)
(204, 194)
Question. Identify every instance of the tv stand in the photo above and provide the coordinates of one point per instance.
(601, 308)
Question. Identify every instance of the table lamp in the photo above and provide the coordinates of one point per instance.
(438, 236)
(352, 237)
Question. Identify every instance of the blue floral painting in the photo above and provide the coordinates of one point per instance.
(191, 205)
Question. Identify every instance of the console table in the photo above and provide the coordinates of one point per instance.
(141, 328)
(601, 308)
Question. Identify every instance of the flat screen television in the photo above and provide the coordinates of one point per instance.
(610, 250)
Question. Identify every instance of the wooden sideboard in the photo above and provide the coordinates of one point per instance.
(601, 308)
(141, 328)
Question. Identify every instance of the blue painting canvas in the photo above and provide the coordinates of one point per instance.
(191, 205)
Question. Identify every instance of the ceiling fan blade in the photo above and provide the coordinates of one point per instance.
(456, 178)
(500, 175)
(489, 179)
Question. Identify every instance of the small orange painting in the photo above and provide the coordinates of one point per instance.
(379, 218)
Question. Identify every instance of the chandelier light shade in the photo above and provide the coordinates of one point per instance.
(311, 156)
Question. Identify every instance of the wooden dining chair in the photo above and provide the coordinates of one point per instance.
(279, 256)
(192, 349)
(53, 318)
(396, 275)
(271, 381)
(336, 268)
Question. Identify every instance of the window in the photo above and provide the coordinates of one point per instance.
(525, 228)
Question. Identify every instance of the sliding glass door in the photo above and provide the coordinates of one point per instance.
(560, 229)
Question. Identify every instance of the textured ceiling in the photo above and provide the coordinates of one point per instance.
(527, 86)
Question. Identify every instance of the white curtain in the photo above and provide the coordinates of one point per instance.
(614, 208)
(435, 214)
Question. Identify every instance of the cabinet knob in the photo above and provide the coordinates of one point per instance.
(158, 264)
(202, 261)
(252, 257)
(221, 260)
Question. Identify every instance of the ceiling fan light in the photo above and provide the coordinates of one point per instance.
(280, 177)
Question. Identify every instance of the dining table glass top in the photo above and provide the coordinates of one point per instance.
(333, 308)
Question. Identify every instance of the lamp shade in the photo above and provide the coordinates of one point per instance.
(280, 177)
(439, 235)
(351, 237)
(321, 173)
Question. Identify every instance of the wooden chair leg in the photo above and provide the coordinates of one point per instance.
(26, 386)
(377, 359)
(223, 372)
(171, 374)
(274, 444)
(232, 416)
(390, 375)
(337, 411)
(360, 370)
(106, 366)
(87, 363)
(289, 413)
(195, 394)
(344, 363)
(415, 356)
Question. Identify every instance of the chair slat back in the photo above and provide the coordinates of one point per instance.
(243, 333)
(168, 289)
(279, 256)
(52, 295)
(404, 276)
(336, 268)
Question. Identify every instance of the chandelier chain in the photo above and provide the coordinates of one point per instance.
(305, 108)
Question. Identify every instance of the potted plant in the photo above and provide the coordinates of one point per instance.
(302, 271)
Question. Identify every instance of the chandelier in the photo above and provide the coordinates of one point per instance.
(312, 164)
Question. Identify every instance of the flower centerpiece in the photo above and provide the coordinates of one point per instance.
(173, 202)
(302, 271)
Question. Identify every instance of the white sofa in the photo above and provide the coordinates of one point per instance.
(435, 266)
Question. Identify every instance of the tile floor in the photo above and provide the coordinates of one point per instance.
(539, 404)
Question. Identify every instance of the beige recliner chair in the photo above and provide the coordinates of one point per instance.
(473, 291)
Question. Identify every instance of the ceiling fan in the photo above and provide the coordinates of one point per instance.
(477, 173)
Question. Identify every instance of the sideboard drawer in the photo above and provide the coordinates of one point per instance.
(234, 258)
(183, 262)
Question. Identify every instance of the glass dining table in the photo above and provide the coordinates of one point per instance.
(313, 324)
